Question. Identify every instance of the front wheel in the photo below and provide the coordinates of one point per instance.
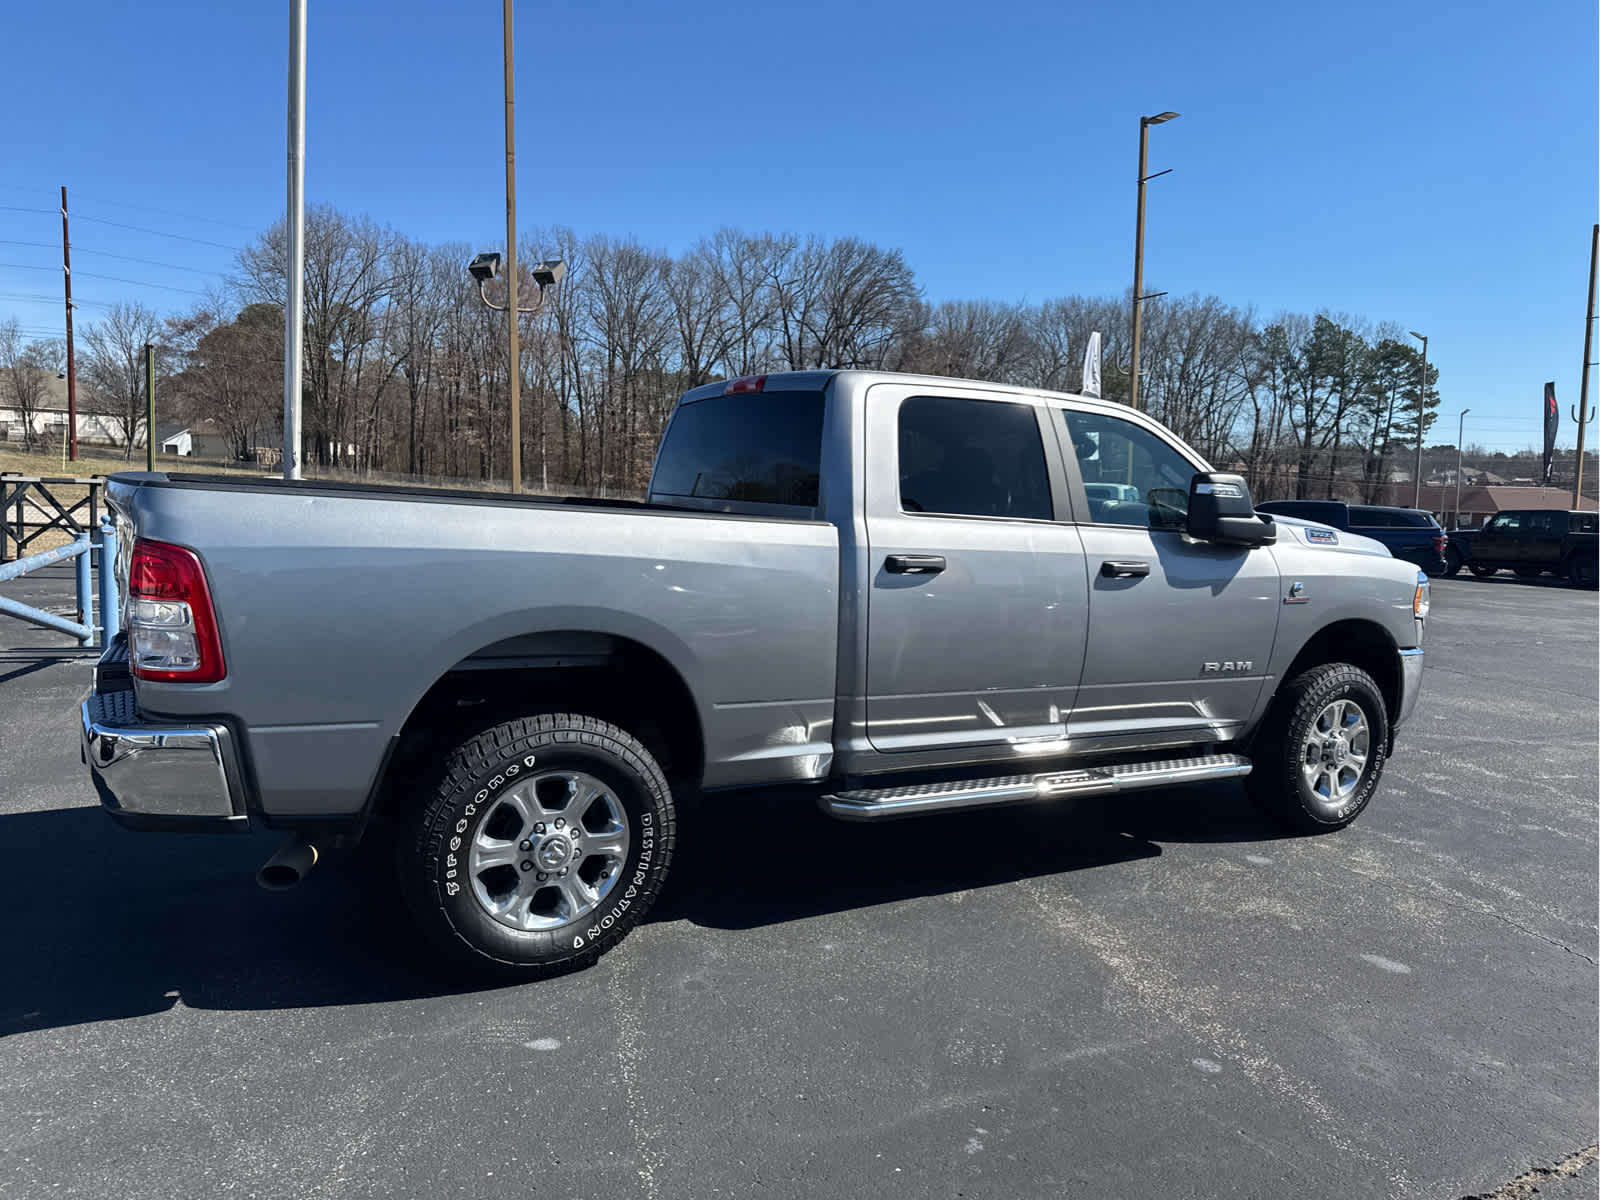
(1581, 571)
(1320, 752)
(1452, 562)
(542, 843)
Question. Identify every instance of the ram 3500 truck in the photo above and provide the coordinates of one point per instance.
(902, 595)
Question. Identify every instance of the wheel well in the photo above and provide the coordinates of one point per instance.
(613, 678)
(1361, 644)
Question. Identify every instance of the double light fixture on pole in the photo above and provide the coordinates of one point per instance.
(1422, 400)
(1138, 242)
(487, 266)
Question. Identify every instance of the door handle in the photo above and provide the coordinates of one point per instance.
(914, 564)
(1120, 568)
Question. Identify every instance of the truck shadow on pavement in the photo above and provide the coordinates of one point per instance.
(747, 860)
(100, 924)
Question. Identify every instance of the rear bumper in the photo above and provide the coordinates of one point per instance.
(1410, 682)
(158, 775)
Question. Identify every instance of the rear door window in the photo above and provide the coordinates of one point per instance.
(765, 447)
(972, 458)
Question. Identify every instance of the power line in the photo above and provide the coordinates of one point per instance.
(182, 237)
(47, 212)
(167, 212)
(166, 287)
(35, 245)
(149, 262)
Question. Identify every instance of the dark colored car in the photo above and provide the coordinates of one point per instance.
(1410, 533)
(1529, 541)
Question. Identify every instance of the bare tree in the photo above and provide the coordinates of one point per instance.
(25, 370)
(115, 364)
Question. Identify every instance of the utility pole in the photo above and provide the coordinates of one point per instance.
(1581, 416)
(295, 219)
(1461, 432)
(1138, 243)
(72, 367)
(149, 407)
(511, 259)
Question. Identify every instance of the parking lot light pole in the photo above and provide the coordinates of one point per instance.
(1138, 243)
(1461, 428)
(1422, 397)
(511, 258)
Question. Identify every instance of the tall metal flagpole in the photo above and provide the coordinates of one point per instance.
(295, 221)
(511, 260)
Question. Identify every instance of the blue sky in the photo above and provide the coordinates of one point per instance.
(1427, 164)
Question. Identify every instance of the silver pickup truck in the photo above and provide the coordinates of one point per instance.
(901, 595)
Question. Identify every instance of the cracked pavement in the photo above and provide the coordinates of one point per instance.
(1155, 996)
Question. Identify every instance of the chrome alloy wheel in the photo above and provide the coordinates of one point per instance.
(549, 851)
(1334, 755)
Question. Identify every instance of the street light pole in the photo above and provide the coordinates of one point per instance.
(1461, 429)
(1422, 397)
(1138, 243)
(511, 260)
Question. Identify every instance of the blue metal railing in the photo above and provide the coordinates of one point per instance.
(103, 547)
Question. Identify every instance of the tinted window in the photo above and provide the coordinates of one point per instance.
(1541, 522)
(1130, 476)
(1505, 522)
(1373, 518)
(976, 458)
(765, 447)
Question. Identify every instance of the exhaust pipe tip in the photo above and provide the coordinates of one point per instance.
(286, 868)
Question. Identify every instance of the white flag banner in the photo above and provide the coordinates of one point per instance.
(1091, 366)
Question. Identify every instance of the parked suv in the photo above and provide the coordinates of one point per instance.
(1409, 533)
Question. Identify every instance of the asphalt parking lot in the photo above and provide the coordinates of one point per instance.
(1157, 999)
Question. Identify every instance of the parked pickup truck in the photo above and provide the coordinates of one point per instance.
(895, 594)
(1410, 533)
(1529, 541)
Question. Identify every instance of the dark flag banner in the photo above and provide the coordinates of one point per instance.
(1552, 418)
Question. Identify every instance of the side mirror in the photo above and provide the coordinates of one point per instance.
(1220, 510)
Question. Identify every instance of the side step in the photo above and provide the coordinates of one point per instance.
(878, 804)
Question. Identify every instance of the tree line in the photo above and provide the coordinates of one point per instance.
(406, 369)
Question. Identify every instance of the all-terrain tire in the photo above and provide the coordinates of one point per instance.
(1320, 752)
(540, 843)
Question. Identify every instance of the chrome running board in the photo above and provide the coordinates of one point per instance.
(877, 804)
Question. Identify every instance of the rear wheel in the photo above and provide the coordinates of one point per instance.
(1320, 753)
(542, 843)
(1581, 571)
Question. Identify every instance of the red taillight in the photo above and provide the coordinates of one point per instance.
(1440, 541)
(746, 383)
(172, 628)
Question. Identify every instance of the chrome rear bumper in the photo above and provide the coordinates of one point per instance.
(157, 775)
